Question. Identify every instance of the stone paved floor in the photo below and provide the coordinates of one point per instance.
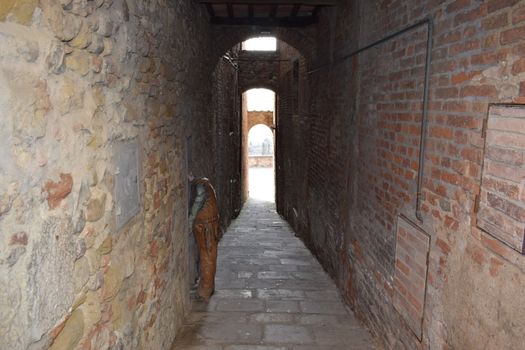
(271, 294)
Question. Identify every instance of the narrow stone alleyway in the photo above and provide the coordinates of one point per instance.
(271, 294)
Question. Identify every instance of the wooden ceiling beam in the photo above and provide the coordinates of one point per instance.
(265, 22)
(273, 11)
(274, 2)
(295, 10)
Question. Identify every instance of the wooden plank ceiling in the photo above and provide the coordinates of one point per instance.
(284, 13)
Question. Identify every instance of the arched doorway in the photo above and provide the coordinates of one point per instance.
(261, 174)
(274, 68)
(258, 121)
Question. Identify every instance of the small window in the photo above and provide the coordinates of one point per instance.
(260, 44)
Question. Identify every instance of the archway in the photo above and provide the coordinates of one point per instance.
(258, 120)
(279, 71)
(261, 174)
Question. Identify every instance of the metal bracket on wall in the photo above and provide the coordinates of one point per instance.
(429, 22)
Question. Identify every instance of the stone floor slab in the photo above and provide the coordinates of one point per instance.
(271, 294)
(287, 334)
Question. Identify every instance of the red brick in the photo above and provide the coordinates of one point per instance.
(508, 189)
(57, 191)
(504, 171)
(507, 124)
(416, 267)
(444, 66)
(518, 15)
(503, 138)
(402, 267)
(496, 5)
(496, 246)
(469, 16)
(417, 304)
(501, 226)
(443, 246)
(441, 132)
(446, 93)
(465, 122)
(400, 286)
(479, 91)
(470, 31)
(512, 35)
(512, 210)
(463, 76)
(488, 58)
(490, 41)
(449, 38)
(450, 178)
(452, 223)
(478, 255)
(495, 22)
(495, 266)
(457, 5)
(506, 155)
(455, 106)
(518, 66)
(464, 47)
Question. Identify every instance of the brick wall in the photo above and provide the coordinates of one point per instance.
(226, 138)
(258, 69)
(260, 117)
(361, 124)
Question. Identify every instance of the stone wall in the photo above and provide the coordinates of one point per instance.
(361, 127)
(99, 102)
(258, 69)
(260, 117)
(260, 161)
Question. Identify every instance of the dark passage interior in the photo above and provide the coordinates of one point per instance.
(397, 137)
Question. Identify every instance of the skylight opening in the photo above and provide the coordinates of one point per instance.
(260, 44)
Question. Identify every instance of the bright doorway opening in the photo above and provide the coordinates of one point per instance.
(259, 141)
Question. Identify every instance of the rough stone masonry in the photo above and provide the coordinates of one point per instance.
(95, 102)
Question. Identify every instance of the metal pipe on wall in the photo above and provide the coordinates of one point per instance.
(429, 22)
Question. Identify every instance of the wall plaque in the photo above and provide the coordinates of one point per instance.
(127, 197)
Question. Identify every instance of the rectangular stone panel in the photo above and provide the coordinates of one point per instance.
(501, 206)
(410, 278)
(127, 200)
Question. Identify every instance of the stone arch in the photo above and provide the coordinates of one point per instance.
(262, 84)
(260, 118)
(301, 39)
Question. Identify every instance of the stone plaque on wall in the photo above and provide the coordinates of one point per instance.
(410, 279)
(127, 199)
(501, 206)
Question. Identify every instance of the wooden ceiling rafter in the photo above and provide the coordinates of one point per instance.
(273, 2)
(273, 11)
(282, 13)
(295, 10)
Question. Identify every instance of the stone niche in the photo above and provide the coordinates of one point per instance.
(127, 197)
(411, 268)
(501, 205)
